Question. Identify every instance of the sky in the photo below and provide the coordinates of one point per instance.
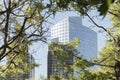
(40, 53)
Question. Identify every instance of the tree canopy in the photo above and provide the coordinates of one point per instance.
(28, 17)
(22, 23)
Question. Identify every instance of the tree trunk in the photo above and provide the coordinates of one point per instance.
(117, 70)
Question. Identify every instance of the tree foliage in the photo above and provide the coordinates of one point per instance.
(28, 17)
(79, 66)
(110, 52)
(22, 22)
(83, 6)
(21, 19)
(109, 56)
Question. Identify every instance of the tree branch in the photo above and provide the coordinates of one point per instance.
(6, 29)
(93, 63)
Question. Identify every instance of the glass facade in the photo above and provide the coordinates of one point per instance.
(87, 37)
(68, 29)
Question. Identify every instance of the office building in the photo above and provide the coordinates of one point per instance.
(68, 29)
(32, 71)
(30, 74)
(54, 69)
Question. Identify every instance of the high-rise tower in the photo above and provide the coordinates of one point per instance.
(68, 29)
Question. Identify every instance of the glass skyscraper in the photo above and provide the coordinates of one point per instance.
(68, 29)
